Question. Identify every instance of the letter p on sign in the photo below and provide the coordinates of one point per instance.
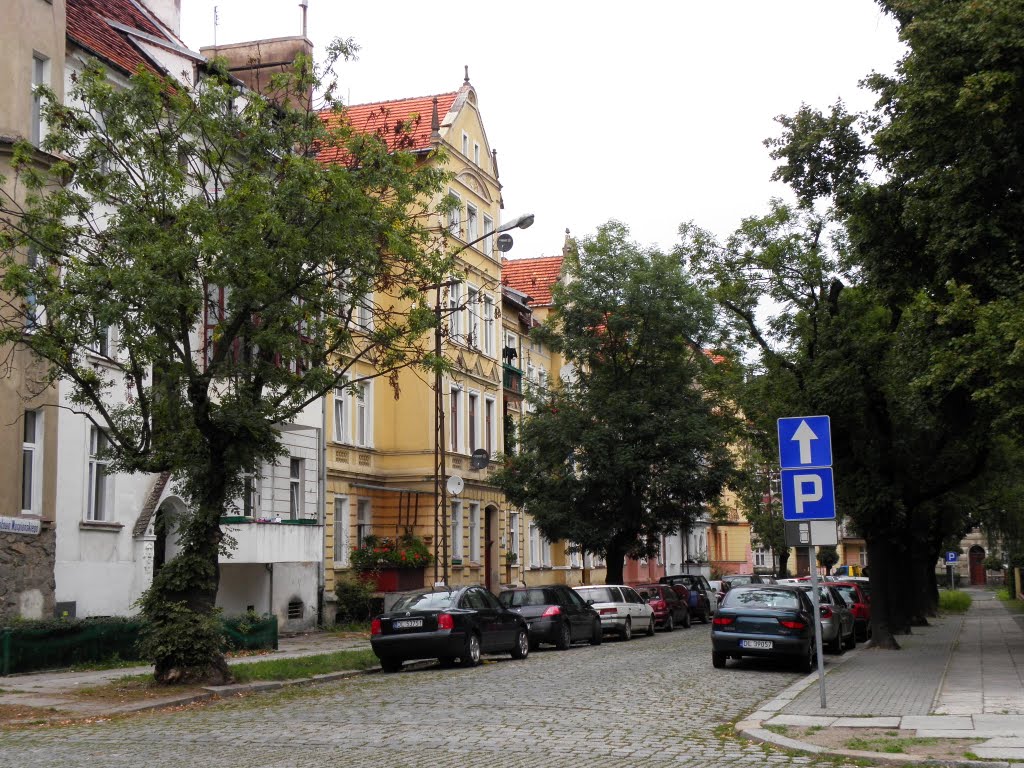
(807, 490)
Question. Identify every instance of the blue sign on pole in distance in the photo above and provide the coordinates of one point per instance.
(951, 558)
(808, 494)
(805, 441)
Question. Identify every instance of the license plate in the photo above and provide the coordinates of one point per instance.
(763, 645)
(407, 623)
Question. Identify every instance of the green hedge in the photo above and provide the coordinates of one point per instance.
(31, 646)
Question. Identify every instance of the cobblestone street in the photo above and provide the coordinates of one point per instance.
(619, 704)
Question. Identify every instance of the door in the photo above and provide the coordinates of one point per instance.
(976, 558)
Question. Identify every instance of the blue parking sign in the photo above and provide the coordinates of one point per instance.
(808, 494)
(951, 558)
(805, 441)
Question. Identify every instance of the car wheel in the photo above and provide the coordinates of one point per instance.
(650, 627)
(851, 640)
(522, 646)
(597, 635)
(704, 616)
(805, 663)
(836, 645)
(471, 653)
(717, 660)
(686, 619)
(564, 639)
(670, 623)
(390, 665)
(626, 633)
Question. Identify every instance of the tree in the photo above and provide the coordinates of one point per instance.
(827, 558)
(200, 225)
(635, 445)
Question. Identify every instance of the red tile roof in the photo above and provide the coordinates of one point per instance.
(88, 27)
(382, 117)
(534, 277)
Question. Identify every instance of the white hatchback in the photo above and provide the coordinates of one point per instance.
(621, 609)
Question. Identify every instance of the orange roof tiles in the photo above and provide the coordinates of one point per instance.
(533, 276)
(382, 117)
(87, 25)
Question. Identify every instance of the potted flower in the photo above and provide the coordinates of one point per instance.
(392, 563)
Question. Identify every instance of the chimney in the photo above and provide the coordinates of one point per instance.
(168, 12)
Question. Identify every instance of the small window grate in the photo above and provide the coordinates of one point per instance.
(295, 609)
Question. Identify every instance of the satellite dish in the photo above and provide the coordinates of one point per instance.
(479, 459)
(455, 485)
(504, 242)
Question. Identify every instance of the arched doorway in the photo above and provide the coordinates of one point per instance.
(976, 558)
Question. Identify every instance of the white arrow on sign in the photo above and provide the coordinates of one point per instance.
(803, 435)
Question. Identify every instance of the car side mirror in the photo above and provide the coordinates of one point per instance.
(590, 601)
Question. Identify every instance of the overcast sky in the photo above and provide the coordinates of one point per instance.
(650, 113)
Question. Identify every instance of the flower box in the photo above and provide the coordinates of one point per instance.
(393, 579)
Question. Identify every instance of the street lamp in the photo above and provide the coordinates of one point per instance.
(440, 487)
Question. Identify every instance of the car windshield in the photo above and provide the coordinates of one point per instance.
(519, 598)
(761, 598)
(424, 601)
(648, 593)
(599, 595)
(849, 592)
(736, 581)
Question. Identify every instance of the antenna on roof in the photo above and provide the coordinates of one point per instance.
(215, 22)
(304, 5)
(466, 81)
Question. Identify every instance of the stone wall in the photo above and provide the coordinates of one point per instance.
(26, 575)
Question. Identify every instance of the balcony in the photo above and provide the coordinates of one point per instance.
(290, 541)
(512, 380)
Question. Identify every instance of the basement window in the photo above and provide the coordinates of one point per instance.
(295, 609)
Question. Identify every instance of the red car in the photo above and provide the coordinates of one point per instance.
(860, 605)
(669, 609)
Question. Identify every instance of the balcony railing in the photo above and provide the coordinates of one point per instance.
(512, 379)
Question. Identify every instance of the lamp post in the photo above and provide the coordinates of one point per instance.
(440, 483)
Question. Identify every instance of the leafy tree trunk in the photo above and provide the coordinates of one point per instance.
(783, 564)
(878, 556)
(921, 582)
(615, 558)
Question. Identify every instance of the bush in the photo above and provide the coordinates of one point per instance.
(355, 599)
(378, 552)
(993, 563)
(954, 602)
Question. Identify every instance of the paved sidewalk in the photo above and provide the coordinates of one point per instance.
(55, 690)
(961, 677)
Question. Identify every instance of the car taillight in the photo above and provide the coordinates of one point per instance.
(445, 621)
(608, 611)
(792, 624)
(552, 610)
(826, 612)
(658, 605)
(375, 627)
(723, 621)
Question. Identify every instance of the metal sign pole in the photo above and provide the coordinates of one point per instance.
(813, 562)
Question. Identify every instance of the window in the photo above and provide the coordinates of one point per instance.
(474, 532)
(513, 537)
(473, 317)
(295, 495)
(33, 312)
(761, 556)
(472, 224)
(453, 417)
(488, 246)
(98, 495)
(476, 154)
(40, 70)
(488, 327)
(862, 558)
(455, 542)
(32, 463)
(574, 558)
(363, 517)
(342, 404)
(342, 532)
(101, 342)
(364, 415)
(455, 310)
(472, 419)
(540, 549)
(214, 312)
(455, 215)
(363, 314)
(250, 495)
(490, 438)
(465, 144)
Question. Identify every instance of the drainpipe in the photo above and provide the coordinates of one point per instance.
(322, 511)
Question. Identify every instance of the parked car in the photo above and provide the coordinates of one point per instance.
(701, 597)
(554, 614)
(742, 579)
(620, 607)
(848, 570)
(765, 621)
(447, 624)
(669, 608)
(860, 604)
(837, 632)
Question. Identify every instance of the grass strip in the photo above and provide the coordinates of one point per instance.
(304, 666)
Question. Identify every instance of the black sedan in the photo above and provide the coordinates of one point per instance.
(767, 621)
(555, 614)
(447, 624)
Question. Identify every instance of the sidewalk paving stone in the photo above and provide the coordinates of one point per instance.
(936, 722)
(866, 722)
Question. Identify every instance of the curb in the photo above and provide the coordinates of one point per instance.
(751, 728)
